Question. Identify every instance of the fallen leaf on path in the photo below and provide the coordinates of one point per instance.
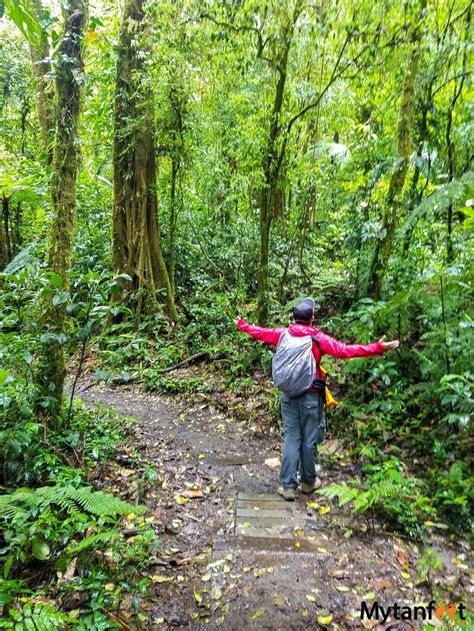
(369, 596)
(246, 569)
(197, 596)
(382, 583)
(201, 456)
(322, 550)
(342, 588)
(405, 575)
(205, 578)
(259, 572)
(258, 614)
(329, 446)
(278, 601)
(325, 619)
(323, 510)
(179, 499)
(192, 493)
(298, 544)
(161, 578)
(273, 463)
(311, 598)
(216, 593)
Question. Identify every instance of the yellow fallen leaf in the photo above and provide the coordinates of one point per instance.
(259, 572)
(201, 456)
(161, 578)
(322, 550)
(405, 575)
(324, 510)
(269, 570)
(429, 524)
(324, 619)
(298, 544)
(246, 524)
(131, 516)
(197, 596)
(299, 533)
(312, 505)
(246, 568)
(205, 578)
(348, 534)
(179, 499)
(369, 596)
(226, 569)
(342, 588)
(311, 598)
(258, 614)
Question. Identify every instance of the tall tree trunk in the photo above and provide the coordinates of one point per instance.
(136, 243)
(4, 259)
(390, 219)
(173, 220)
(69, 72)
(40, 59)
(271, 167)
(457, 89)
(6, 226)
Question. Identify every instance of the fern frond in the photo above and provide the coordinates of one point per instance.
(93, 540)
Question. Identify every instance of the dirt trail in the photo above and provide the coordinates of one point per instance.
(206, 576)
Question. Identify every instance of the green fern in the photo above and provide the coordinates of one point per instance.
(346, 494)
(93, 540)
(39, 616)
(21, 503)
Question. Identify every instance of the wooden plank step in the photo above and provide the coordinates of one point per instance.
(271, 514)
(258, 504)
(291, 523)
(262, 497)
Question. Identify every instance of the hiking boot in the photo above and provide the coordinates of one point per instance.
(289, 494)
(309, 488)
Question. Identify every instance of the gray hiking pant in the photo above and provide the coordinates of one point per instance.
(304, 426)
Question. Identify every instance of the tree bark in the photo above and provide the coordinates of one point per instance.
(136, 242)
(69, 73)
(271, 168)
(44, 92)
(457, 89)
(390, 219)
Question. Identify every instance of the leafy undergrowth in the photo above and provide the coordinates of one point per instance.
(71, 554)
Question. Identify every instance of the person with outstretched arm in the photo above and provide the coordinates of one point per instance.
(302, 416)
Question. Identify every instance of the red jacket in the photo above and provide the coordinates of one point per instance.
(327, 344)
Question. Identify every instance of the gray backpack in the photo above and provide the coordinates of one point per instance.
(294, 365)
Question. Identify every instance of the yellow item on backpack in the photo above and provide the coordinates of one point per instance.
(330, 401)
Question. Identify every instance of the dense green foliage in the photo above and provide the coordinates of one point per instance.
(313, 131)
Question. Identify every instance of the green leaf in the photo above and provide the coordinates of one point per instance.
(40, 549)
(22, 12)
(7, 567)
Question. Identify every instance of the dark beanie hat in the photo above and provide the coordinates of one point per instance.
(304, 311)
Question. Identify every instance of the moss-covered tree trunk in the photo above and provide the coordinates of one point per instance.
(41, 64)
(390, 219)
(271, 171)
(69, 76)
(136, 242)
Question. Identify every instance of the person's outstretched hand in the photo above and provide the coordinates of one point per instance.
(389, 346)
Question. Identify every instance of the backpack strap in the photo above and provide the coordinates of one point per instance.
(316, 341)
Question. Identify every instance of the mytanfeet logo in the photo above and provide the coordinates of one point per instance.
(453, 614)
